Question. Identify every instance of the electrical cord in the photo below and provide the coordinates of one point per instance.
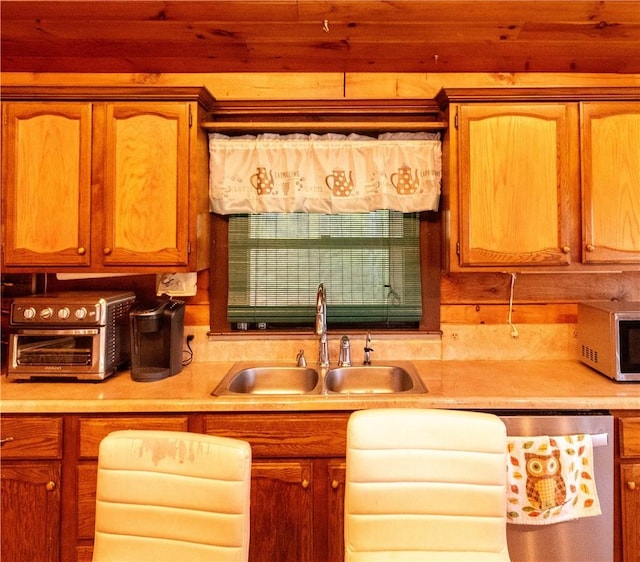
(514, 330)
(188, 353)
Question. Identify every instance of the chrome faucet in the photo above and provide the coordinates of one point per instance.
(345, 352)
(367, 350)
(321, 326)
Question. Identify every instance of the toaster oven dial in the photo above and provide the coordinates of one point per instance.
(29, 313)
(81, 313)
(64, 313)
(46, 312)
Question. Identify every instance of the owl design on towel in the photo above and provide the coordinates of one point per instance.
(545, 486)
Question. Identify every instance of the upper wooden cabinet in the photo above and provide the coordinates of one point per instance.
(105, 179)
(542, 178)
(610, 148)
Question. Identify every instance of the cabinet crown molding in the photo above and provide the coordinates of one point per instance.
(467, 95)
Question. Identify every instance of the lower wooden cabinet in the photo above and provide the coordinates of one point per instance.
(336, 471)
(88, 432)
(282, 510)
(30, 488)
(297, 496)
(297, 488)
(629, 466)
(298, 480)
(30, 512)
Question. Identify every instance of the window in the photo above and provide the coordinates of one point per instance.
(380, 270)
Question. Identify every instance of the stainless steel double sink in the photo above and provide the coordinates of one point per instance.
(398, 377)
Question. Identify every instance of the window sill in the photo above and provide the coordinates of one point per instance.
(333, 334)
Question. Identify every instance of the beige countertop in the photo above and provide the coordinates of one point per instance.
(493, 385)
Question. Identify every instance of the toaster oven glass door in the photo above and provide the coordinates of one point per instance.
(54, 348)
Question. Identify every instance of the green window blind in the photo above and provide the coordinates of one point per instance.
(368, 262)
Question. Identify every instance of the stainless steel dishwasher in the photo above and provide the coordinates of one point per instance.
(588, 539)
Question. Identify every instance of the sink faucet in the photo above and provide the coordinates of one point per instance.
(321, 326)
(367, 350)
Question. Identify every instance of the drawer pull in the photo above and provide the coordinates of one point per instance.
(6, 440)
(51, 486)
(305, 483)
(631, 485)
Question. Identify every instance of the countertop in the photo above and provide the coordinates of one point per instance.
(491, 385)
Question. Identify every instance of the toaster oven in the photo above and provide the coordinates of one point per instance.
(69, 335)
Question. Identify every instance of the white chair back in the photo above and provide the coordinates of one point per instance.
(425, 485)
(169, 496)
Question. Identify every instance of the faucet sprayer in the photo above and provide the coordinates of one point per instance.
(367, 350)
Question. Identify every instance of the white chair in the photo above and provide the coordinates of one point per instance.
(172, 496)
(425, 485)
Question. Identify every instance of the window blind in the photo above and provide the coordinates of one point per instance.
(368, 262)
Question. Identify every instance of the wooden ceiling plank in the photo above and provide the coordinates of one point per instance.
(561, 32)
(471, 11)
(504, 61)
(326, 50)
(194, 37)
(240, 32)
(146, 10)
(287, 36)
(443, 11)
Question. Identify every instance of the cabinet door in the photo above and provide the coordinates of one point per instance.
(146, 184)
(514, 191)
(335, 507)
(630, 492)
(46, 179)
(611, 182)
(281, 511)
(30, 511)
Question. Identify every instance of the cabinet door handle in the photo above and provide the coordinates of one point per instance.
(6, 440)
(82, 251)
(631, 485)
(51, 486)
(305, 483)
(590, 247)
(566, 249)
(335, 484)
(107, 251)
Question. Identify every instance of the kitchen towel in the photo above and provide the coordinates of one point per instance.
(550, 479)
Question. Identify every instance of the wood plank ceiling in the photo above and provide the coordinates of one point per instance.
(319, 36)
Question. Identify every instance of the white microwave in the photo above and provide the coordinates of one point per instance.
(609, 338)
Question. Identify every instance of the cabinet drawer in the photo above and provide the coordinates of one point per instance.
(93, 430)
(31, 438)
(284, 435)
(630, 437)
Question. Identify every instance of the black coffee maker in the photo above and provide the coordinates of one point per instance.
(157, 335)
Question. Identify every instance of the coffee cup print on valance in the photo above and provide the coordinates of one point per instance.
(324, 174)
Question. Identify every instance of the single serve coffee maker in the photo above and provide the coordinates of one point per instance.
(157, 335)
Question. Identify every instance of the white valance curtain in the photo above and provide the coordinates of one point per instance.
(329, 174)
